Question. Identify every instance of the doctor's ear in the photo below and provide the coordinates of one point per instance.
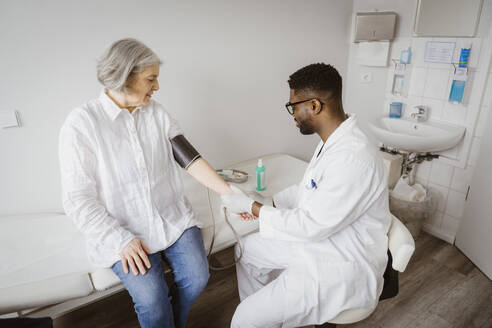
(317, 106)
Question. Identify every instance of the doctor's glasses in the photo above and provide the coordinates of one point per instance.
(290, 106)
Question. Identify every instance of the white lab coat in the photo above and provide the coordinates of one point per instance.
(323, 250)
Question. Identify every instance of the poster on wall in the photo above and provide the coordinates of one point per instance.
(439, 52)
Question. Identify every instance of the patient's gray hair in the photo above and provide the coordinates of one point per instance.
(122, 61)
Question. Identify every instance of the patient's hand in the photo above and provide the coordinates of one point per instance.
(135, 256)
(247, 216)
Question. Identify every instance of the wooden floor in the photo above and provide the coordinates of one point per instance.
(441, 288)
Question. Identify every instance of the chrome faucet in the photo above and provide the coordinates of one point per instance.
(420, 115)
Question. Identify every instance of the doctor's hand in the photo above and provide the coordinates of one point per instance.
(135, 256)
(238, 202)
(259, 200)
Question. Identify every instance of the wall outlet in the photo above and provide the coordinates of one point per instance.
(366, 77)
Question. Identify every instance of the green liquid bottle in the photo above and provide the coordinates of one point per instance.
(260, 176)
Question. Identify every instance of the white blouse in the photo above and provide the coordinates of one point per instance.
(120, 179)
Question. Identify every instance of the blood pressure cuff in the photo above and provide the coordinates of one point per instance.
(184, 153)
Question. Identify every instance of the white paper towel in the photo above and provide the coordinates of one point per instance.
(403, 191)
(373, 53)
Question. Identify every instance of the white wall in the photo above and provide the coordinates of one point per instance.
(429, 84)
(224, 76)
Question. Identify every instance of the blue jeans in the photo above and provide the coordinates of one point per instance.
(156, 305)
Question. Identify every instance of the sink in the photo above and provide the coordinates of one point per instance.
(419, 137)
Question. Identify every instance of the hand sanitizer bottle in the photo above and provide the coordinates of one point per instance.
(260, 176)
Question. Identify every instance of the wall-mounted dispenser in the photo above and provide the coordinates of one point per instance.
(375, 26)
(460, 76)
(398, 79)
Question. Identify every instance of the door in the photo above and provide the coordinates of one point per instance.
(474, 237)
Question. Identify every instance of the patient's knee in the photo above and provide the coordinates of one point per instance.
(195, 285)
(155, 302)
(201, 280)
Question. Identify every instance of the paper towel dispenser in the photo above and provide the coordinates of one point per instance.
(375, 26)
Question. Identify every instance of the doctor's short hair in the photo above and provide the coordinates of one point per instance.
(122, 61)
(320, 79)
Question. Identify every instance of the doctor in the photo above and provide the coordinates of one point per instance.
(321, 248)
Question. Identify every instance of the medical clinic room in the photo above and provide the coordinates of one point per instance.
(245, 164)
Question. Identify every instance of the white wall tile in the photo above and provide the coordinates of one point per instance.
(461, 179)
(422, 171)
(418, 51)
(450, 153)
(474, 152)
(435, 219)
(436, 83)
(454, 113)
(440, 66)
(441, 174)
(386, 104)
(473, 88)
(389, 78)
(434, 106)
(455, 204)
(449, 225)
(398, 45)
(475, 52)
(481, 122)
(472, 114)
(441, 193)
(393, 97)
(460, 147)
(417, 81)
(410, 104)
(487, 96)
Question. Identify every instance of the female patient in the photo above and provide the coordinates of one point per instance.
(122, 187)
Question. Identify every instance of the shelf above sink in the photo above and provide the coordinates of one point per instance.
(418, 137)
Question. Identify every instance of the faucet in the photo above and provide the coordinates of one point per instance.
(420, 115)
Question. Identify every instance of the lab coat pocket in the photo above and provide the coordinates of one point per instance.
(301, 291)
(309, 186)
(343, 285)
(313, 180)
